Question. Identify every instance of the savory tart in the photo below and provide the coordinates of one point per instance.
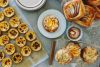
(9, 49)
(13, 33)
(4, 39)
(14, 21)
(20, 41)
(30, 36)
(2, 16)
(50, 23)
(23, 28)
(17, 58)
(25, 51)
(6, 62)
(36, 45)
(4, 26)
(3, 3)
(63, 57)
(89, 54)
(2, 55)
(9, 11)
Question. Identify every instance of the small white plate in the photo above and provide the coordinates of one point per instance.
(62, 23)
(30, 4)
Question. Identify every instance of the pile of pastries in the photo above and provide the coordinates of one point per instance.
(82, 12)
(15, 33)
(73, 50)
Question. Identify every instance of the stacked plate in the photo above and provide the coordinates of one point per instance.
(30, 4)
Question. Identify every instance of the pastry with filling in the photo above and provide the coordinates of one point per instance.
(13, 33)
(9, 11)
(4, 26)
(14, 21)
(36, 45)
(2, 55)
(6, 62)
(3, 3)
(30, 36)
(23, 28)
(25, 51)
(20, 41)
(2, 16)
(50, 23)
(17, 58)
(9, 49)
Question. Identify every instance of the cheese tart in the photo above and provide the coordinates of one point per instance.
(3, 3)
(9, 49)
(20, 41)
(6, 62)
(13, 33)
(2, 55)
(2, 16)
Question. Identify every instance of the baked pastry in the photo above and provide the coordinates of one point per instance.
(4, 39)
(2, 55)
(63, 57)
(9, 49)
(23, 28)
(74, 10)
(89, 54)
(30, 36)
(13, 33)
(20, 41)
(9, 11)
(36, 45)
(14, 21)
(2, 16)
(25, 51)
(17, 57)
(3, 3)
(4, 26)
(88, 18)
(50, 23)
(6, 62)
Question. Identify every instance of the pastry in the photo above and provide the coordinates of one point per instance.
(2, 55)
(14, 21)
(23, 28)
(50, 23)
(3, 3)
(6, 62)
(9, 49)
(20, 41)
(9, 11)
(13, 33)
(63, 57)
(17, 57)
(25, 51)
(4, 39)
(36, 45)
(4, 26)
(89, 54)
(30, 36)
(2, 16)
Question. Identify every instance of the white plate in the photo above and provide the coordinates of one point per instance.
(30, 4)
(62, 23)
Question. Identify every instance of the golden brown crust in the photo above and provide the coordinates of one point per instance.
(3, 3)
(6, 62)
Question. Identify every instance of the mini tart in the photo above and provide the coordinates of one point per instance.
(30, 36)
(36, 45)
(25, 51)
(20, 41)
(2, 16)
(89, 54)
(4, 26)
(23, 28)
(3, 3)
(17, 58)
(2, 55)
(63, 57)
(50, 23)
(74, 49)
(4, 39)
(9, 11)
(14, 21)
(6, 62)
(13, 33)
(9, 49)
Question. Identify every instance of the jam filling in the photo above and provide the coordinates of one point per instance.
(36, 45)
(30, 36)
